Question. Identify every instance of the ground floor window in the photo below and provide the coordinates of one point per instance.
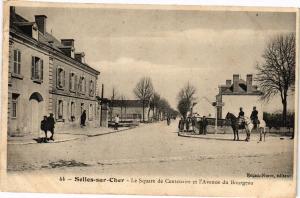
(60, 109)
(72, 111)
(14, 105)
(90, 112)
(81, 108)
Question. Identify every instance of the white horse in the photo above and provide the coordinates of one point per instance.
(261, 128)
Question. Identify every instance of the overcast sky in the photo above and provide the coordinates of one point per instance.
(172, 47)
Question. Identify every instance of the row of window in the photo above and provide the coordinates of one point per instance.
(37, 68)
(76, 83)
(71, 110)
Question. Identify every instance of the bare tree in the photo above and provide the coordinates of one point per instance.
(186, 97)
(277, 73)
(154, 102)
(144, 91)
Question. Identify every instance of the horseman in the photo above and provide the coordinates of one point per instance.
(254, 118)
(241, 118)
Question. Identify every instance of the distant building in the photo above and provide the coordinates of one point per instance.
(128, 109)
(46, 76)
(239, 93)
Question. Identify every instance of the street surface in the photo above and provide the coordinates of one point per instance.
(156, 149)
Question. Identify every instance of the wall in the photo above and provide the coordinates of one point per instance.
(25, 87)
(68, 96)
(234, 102)
(131, 110)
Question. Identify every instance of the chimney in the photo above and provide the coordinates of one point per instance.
(68, 47)
(41, 23)
(236, 79)
(249, 83)
(67, 42)
(228, 83)
(80, 57)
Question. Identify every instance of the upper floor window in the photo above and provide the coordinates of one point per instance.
(92, 88)
(82, 84)
(72, 82)
(36, 69)
(60, 76)
(17, 62)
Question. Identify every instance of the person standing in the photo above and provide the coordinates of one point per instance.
(83, 118)
(51, 125)
(117, 120)
(193, 123)
(44, 127)
(254, 118)
(187, 124)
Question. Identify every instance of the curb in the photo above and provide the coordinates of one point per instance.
(71, 139)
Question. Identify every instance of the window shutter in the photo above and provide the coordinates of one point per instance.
(32, 67)
(42, 69)
(76, 83)
(19, 62)
(57, 109)
(57, 77)
(64, 76)
(70, 81)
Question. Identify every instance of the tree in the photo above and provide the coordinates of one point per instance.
(186, 98)
(144, 91)
(154, 102)
(277, 73)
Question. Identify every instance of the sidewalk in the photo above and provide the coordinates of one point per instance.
(69, 135)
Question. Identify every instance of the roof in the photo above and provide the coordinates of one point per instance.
(242, 89)
(16, 23)
(126, 103)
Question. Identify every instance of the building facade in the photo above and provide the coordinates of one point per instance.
(47, 76)
(129, 110)
(239, 93)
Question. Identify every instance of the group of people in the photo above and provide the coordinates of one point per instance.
(253, 118)
(48, 124)
(189, 124)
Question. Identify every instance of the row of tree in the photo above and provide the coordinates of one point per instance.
(145, 92)
(159, 106)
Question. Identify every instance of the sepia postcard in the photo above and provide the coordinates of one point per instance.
(149, 99)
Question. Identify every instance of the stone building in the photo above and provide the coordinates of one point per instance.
(46, 76)
(239, 93)
(129, 110)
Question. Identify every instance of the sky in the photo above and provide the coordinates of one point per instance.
(172, 47)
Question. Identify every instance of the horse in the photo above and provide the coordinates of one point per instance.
(236, 126)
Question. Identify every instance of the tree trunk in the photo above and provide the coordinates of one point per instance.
(284, 112)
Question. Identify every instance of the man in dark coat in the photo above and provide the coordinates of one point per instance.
(241, 118)
(254, 117)
(82, 118)
(51, 125)
(44, 127)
